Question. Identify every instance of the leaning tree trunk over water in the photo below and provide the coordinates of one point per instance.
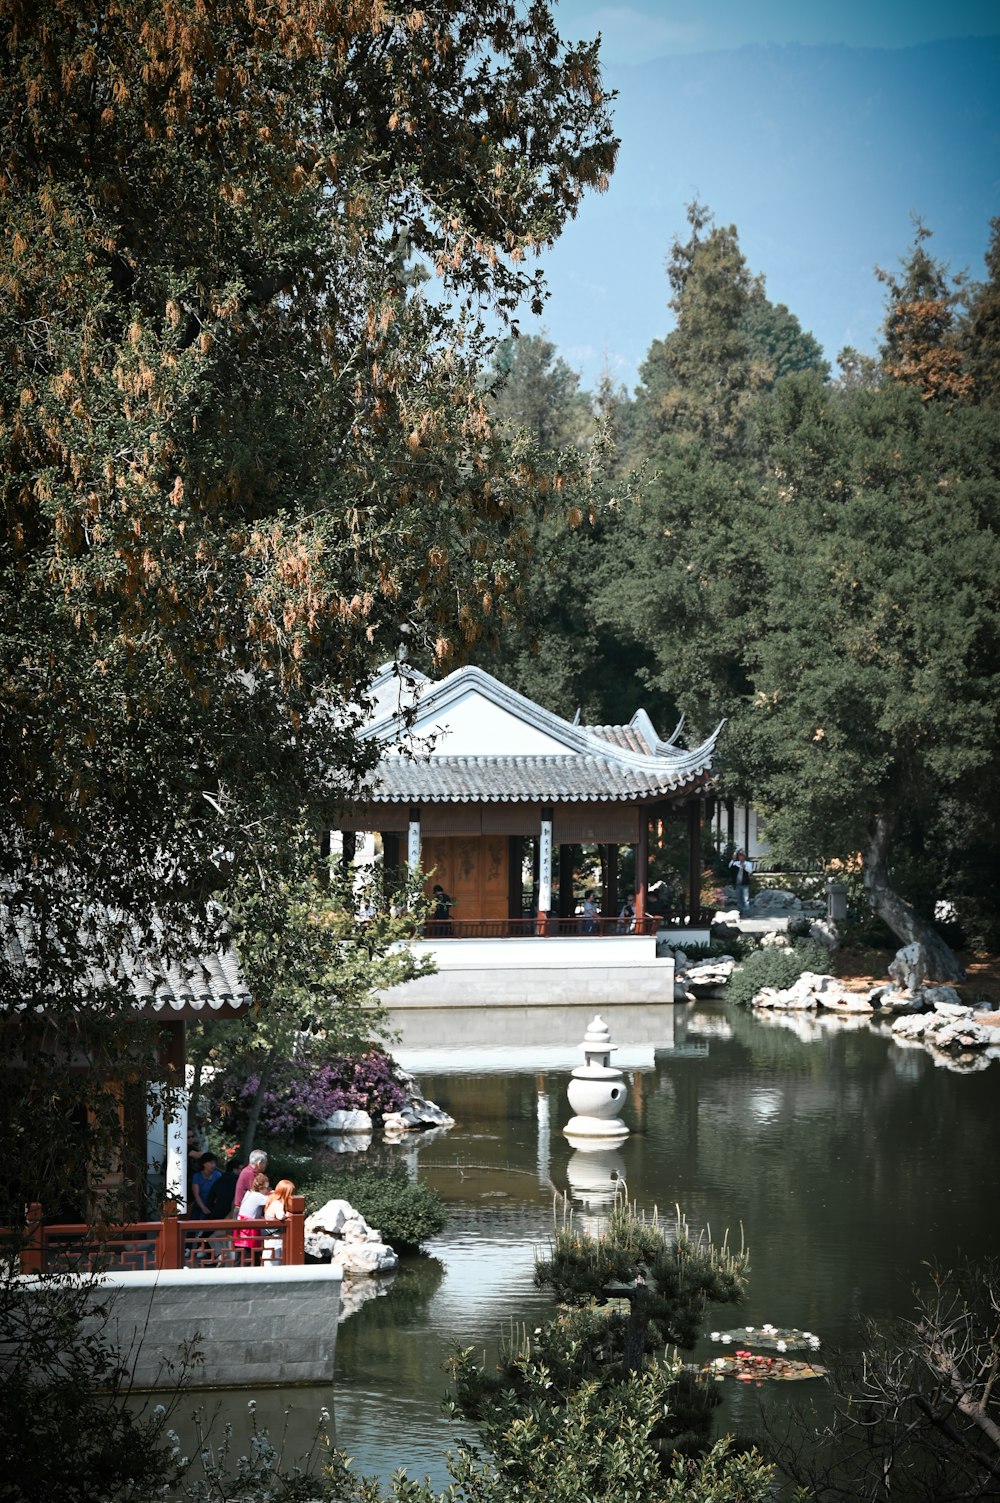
(901, 917)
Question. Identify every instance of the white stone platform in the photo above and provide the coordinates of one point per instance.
(536, 971)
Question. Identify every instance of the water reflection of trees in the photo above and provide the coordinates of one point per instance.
(846, 1160)
(380, 1326)
(403, 1298)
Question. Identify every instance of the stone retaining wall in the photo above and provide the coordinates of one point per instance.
(250, 1325)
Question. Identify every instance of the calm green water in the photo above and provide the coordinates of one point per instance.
(846, 1162)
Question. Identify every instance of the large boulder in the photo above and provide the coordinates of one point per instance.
(948, 1027)
(812, 991)
(415, 1116)
(704, 977)
(945, 999)
(909, 967)
(772, 900)
(824, 932)
(348, 1121)
(417, 1113)
(338, 1233)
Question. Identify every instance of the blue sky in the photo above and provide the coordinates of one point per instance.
(646, 29)
(817, 129)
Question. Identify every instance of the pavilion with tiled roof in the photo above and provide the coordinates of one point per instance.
(471, 770)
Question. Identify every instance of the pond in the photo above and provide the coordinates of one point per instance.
(845, 1161)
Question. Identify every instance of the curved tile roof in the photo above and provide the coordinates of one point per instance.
(210, 982)
(603, 764)
(624, 736)
(547, 780)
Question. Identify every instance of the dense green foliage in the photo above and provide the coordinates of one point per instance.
(816, 562)
(244, 458)
(405, 1211)
(631, 1294)
(66, 1431)
(313, 971)
(981, 334)
(778, 968)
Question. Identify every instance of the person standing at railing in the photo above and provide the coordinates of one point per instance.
(256, 1165)
(440, 928)
(589, 914)
(276, 1208)
(250, 1238)
(201, 1187)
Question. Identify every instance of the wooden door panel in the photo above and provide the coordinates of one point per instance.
(473, 869)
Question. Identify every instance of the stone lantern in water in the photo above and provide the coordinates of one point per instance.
(597, 1090)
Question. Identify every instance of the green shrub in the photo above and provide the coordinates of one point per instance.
(777, 968)
(404, 1212)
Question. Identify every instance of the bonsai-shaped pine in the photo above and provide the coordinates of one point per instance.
(629, 1295)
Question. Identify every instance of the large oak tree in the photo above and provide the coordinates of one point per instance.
(248, 256)
(242, 457)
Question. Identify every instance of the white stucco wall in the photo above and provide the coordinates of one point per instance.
(473, 726)
(592, 969)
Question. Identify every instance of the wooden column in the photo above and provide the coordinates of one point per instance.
(169, 1244)
(566, 881)
(641, 870)
(32, 1253)
(694, 860)
(515, 878)
(348, 852)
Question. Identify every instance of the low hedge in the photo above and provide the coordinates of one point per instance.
(778, 968)
(406, 1213)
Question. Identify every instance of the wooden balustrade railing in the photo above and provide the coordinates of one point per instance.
(542, 926)
(172, 1242)
(547, 925)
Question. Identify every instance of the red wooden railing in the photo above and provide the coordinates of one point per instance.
(172, 1242)
(545, 925)
(549, 924)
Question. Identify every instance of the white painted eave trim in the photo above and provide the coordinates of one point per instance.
(578, 740)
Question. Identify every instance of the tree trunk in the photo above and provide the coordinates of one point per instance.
(633, 1356)
(907, 925)
(256, 1105)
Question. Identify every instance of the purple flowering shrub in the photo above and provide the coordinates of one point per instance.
(302, 1091)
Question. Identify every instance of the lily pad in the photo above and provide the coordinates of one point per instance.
(751, 1367)
(776, 1338)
